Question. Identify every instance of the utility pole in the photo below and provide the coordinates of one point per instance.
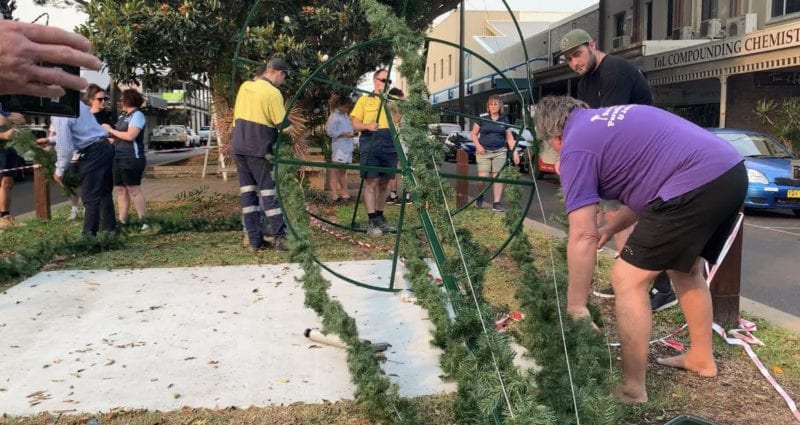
(461, 67)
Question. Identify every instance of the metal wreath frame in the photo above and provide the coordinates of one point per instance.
(406, 170)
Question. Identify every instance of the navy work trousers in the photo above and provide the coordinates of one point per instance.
(255, 180)
(97, 183)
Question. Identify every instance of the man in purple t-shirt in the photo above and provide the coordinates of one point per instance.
(683, 184)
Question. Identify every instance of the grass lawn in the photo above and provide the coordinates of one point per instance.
(739, 395)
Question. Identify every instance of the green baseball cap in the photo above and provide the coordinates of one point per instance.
(574, 39)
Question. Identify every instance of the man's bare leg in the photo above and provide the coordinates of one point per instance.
(695, 300)
(6, 186)
(381, 190)
(632, 308)
(370, 194)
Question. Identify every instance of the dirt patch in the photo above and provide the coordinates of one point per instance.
(739, 395)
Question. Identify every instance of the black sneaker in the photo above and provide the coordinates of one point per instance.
(374, 228)
(264, 245)
(498, 207)
(393, 200)
(280, 244)
(409, 201)
(385, 227)
(479, 202)
(604, 293)
(662, 301)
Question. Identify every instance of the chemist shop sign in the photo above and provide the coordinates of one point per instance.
(755, 42)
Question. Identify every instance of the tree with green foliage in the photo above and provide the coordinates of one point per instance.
(784, 118)
(159, 42)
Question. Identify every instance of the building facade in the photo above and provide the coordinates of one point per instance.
(492, 43)
(707, 60)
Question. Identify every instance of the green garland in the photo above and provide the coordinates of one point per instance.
(588, 353)
(24, 142)
(473, 356)
(28, 261)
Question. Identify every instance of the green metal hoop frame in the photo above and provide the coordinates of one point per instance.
(405, 168)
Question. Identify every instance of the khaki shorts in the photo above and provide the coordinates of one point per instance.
(491, 161)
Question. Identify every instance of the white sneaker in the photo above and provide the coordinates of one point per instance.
(144, 227)
(73, 214)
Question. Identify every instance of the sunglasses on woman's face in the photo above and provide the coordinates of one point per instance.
(384, 80)
(102, 99)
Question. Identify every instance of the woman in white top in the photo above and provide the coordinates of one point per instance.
(340, 129)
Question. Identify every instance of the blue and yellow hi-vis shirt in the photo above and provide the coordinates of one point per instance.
(257, 114)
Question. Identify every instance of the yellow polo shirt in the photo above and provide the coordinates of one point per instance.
(366, 109)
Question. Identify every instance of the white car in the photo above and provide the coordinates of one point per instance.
(205, 133)
(192, 138)
(173, 136)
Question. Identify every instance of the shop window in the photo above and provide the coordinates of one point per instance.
(785, 7)
(434, 72)
(450, 65)
(709, 10)
(619, 24)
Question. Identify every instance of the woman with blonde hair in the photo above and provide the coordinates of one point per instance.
(493, 138)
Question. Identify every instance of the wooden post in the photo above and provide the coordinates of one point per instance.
(462, 186)
(41, 194)
(725, 287)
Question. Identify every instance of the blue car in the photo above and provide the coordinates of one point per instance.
(769, 170)
(459, 140)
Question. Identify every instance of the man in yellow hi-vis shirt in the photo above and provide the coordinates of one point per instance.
(257, 117)
(370, 117)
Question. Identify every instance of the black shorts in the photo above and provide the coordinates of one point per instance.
(376, 149)
(672, 234)
(8, 159)
(128, 171)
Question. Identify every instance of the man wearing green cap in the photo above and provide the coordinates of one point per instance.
(608, 80)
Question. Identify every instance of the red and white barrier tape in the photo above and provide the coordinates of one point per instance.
(20, 168)
(342, 237)
(156, 152)
(746, 327)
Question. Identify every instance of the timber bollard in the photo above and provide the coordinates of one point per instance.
(41, 194)
(725, 287)
(462, 186)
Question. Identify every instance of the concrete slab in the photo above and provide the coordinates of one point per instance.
(89, 341)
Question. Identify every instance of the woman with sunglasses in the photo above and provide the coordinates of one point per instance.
(97, 99)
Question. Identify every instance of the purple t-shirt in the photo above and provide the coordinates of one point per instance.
(636, 154)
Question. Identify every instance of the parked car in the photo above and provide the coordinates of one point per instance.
(768, 162)
(459, 140)
(173, 136)
(545, 161)
(440, 131)
(205, 133)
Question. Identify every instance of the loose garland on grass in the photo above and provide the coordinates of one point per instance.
(480, 393)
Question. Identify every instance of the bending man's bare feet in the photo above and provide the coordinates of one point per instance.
(702, 368)
(629, 396)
